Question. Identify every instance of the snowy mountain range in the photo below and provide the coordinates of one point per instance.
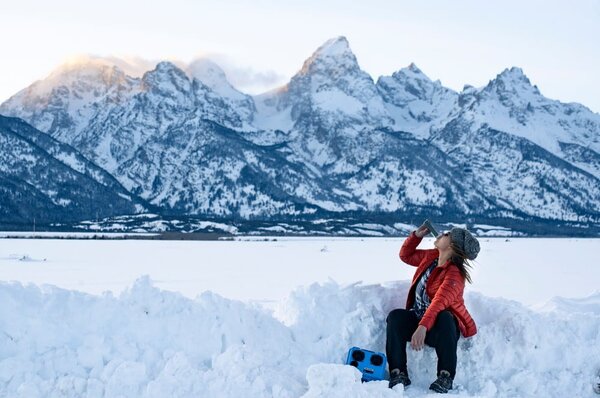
(330, 142)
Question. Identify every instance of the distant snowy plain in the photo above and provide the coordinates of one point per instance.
(262, 317)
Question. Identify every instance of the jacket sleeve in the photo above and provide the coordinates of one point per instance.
(451, 288)
(409, 253)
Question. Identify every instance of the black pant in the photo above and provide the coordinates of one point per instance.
(443, 336)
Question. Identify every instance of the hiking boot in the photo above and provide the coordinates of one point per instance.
(443, 383)
(398, 377)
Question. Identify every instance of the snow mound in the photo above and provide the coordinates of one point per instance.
(149, 342)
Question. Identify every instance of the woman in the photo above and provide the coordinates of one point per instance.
(435, 312)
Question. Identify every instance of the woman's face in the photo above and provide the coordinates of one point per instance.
(442, 242)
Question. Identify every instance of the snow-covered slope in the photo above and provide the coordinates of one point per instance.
(43, 179)
(152, 343)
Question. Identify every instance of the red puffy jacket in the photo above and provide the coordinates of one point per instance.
(445, 286)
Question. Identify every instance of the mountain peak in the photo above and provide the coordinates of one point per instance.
(168, 79)
(211, 75)
(165, 66)
(84, 71)
(89, 64)
(512, 80)
(411, 71)
(414, 68)
(515, 73)
(131, 66)
(83, 67)
(334, 53)
(332, 85)
(334, 47)
(206, 71)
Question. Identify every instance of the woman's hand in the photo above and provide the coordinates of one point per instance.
(421, 231)
(418, 338)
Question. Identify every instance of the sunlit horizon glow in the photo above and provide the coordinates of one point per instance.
(261, 45)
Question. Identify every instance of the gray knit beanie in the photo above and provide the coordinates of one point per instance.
(465, 241)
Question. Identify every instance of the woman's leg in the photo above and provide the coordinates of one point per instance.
(401, 324)
(443, 336)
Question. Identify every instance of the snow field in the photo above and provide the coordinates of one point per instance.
(148, 342)
(529, 270)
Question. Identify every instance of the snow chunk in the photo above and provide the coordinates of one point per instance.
(343, 381)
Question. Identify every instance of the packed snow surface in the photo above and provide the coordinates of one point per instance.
(146, 341)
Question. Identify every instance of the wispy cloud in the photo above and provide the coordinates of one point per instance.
(246, 79)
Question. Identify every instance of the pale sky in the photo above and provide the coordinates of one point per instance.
(262, 43)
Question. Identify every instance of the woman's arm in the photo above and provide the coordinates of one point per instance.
(408, 252)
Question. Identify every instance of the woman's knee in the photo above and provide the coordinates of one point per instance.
(446, 321)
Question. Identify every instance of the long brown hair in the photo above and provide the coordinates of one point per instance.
(459, 259)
